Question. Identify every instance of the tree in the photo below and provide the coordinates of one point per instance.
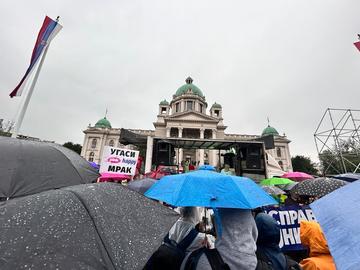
(303, 164)
(75, 147)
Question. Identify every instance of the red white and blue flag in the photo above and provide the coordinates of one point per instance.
(47, 32)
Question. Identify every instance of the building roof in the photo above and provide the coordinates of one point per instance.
(103, 123)
(269, 131)
(164, 102)
(189, 86)
(216, 105)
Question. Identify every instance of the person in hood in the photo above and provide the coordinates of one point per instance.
(237, 242)
(312, 236)
(268, 243)
(190, 216)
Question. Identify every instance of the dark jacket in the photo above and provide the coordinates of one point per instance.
(268, 242)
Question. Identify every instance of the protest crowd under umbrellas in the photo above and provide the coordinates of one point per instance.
(180, 135)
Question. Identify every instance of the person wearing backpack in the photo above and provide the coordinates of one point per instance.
(269, 254)
(235, 245)
(181, 239)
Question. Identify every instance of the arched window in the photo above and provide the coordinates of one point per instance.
(91, 156)
(278, 152)
(93, 143)
(111, 143)
(281, 165)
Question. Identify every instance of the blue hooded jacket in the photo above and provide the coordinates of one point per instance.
(268, 240)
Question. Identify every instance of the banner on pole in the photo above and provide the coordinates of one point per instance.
(289, 217)
(119, 161)
(357, 45)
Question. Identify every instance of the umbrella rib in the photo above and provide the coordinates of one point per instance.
(96, 229)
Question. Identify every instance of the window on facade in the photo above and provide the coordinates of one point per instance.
(91, 156)
(163, 110)
(278, 152)
(201, 108)
(189, 105)
(217, 112)
(281, 164)
(93, 143)
(177, 107)
(111, 143)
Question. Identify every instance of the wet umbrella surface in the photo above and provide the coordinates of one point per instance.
(272, 190)
(93, 226)
(318, 187)
(28, 167)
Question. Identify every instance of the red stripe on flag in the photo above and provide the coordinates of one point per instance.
(357, 45)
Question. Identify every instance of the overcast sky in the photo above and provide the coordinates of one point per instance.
(286, 60)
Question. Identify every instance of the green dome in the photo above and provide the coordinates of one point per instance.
(183, 89)
(269, 131)
(216, 105)
(164, 102)
(103, 123)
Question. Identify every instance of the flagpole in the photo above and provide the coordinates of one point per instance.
(28, 96)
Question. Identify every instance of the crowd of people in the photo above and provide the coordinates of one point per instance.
(247, 240)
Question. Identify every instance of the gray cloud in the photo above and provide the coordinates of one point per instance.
(287, 60)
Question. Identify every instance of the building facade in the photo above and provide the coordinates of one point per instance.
(187, 115)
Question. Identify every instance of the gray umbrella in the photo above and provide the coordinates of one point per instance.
(28, 167)
(142, 185)
(273, 190)
(93, 226)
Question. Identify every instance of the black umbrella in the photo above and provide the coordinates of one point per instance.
(317, 187)
(93, 226)
(28, 167)
(142, 185)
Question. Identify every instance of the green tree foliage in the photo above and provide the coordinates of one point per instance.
(303, 164)
(75, 147)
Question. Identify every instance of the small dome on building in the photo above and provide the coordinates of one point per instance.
(216, 105)
(164, 102)
(269, 131)
(189, 86)
(103, 123)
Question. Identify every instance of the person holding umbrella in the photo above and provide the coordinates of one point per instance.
(235, 246)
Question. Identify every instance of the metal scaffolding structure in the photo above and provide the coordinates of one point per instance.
(338, 135)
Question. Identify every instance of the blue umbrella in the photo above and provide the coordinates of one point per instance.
(207, 168)
(339, 218)
(348, 177)
(209, 189)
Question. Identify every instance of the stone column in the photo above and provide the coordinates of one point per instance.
(149, 152)
(214, 153)
(180, 132)
(201, 151)
(181, 153)
(168, 132)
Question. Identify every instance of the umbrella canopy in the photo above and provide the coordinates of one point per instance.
(297, 176)
(209, 189)
(318, 187)
(273, 190)
(207, 167)
(275, 181)
(339, 218)
(348, 177)
(141, 186)
(93, 226)
(94, 165)
(28, 167)
(288, 187)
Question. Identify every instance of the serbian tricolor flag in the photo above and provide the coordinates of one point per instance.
(357, 45)
(47, 32)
